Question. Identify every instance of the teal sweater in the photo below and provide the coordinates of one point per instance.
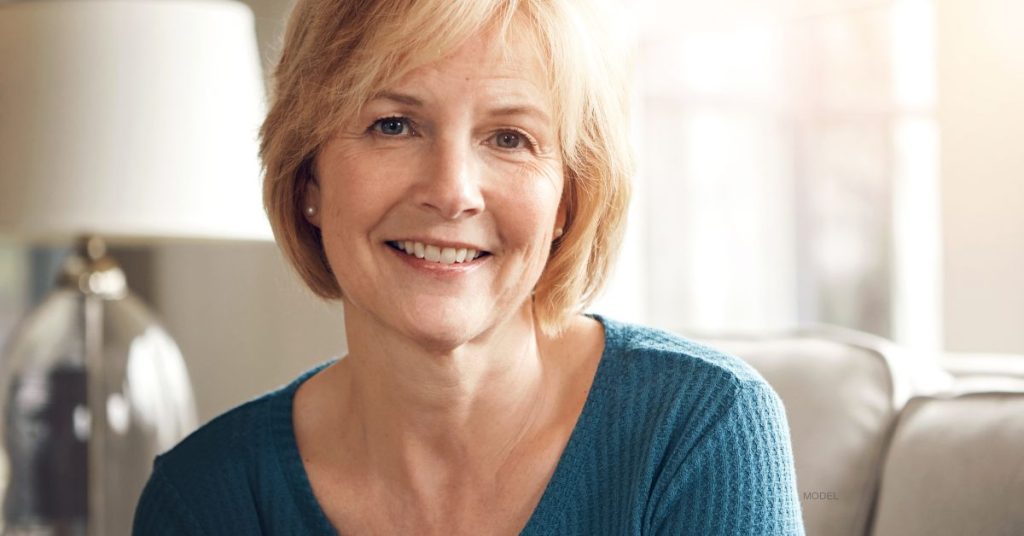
(674, 438)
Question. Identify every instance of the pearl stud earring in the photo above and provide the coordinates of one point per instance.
(311, 211)
(558, 232)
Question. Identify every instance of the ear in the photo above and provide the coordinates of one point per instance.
(311, 199)
(560, 219)
(561, 215)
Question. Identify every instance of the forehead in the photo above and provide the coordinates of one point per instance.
(504, 65)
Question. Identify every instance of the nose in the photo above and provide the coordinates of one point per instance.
(451, 184)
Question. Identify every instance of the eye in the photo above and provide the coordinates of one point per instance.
(508, 140)
(391, 126)
(511, 139)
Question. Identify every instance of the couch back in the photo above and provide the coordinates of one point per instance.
(956, 465)
(887, 443)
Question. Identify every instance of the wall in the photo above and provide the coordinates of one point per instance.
(242, 319)
(981, 116)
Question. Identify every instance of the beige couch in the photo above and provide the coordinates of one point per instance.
(888, 443)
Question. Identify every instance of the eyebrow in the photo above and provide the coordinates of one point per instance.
(400, 98)
(524, 109)
(503, 111)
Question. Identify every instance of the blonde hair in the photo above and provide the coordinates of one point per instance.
(338, 53)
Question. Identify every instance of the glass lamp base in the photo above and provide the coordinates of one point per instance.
(91, 390)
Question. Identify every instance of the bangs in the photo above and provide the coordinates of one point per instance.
(407, 35)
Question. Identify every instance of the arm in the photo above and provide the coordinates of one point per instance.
(738, 479)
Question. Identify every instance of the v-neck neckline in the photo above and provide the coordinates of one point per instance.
(562, 480)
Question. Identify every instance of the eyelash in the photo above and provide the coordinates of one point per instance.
(528, 140)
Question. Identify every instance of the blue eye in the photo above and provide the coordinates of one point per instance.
(391, 126)
(509, 140)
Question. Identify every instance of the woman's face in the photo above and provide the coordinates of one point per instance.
(461, 154)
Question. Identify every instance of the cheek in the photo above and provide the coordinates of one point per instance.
(544, 190)
(357, 192)
(529, 208)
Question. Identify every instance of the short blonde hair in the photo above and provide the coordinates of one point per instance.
(338, 53)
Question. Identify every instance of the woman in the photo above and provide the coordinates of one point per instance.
(455, 173)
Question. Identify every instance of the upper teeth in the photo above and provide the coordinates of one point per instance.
(438, 254)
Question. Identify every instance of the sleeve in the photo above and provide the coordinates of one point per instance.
(738, 479)
(161, 511)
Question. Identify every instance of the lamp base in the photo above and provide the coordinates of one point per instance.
(91, 390)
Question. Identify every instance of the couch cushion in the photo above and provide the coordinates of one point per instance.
(841, 392)
(956, 465)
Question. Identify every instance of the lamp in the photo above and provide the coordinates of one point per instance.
(132, 121)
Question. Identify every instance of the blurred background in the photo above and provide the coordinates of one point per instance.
(856, 163)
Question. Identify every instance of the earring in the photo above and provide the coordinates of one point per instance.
(311, 211)
(558, 232)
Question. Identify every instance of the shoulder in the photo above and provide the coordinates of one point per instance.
(678, 392)
(237, 436)
(223, 442)
(218, 463)
(224, 471)
(220, 441)
(650, 355)
(712, 431)
(205, 478)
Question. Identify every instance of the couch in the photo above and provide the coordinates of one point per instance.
(891, 443)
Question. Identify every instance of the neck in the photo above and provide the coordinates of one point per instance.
(430, 420)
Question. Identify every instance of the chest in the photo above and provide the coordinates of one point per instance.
(357, 507)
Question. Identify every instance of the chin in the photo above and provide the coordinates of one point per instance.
(441, 331)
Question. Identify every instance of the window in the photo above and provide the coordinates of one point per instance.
(788, 170)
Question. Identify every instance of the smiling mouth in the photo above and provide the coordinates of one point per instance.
(438, 254)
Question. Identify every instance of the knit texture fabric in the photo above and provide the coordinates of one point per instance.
(675, 438)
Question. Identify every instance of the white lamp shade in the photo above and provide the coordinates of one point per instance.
(131, 119)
